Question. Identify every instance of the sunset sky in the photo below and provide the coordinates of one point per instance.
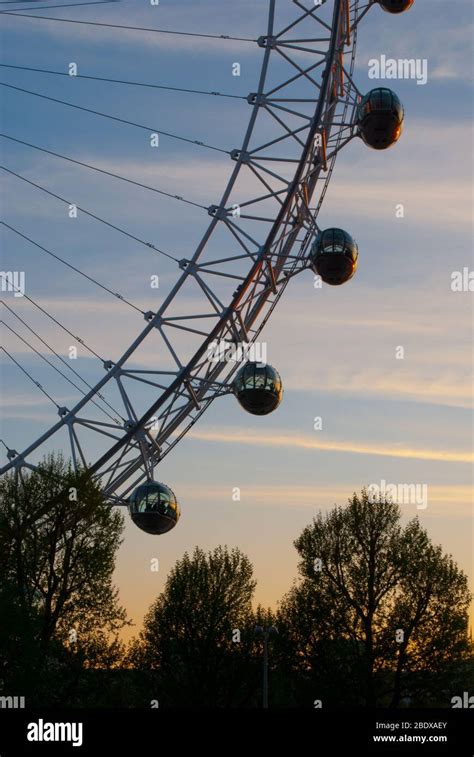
(402, 421)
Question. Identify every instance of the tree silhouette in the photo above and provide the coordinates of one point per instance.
(377, 600)
(58, 541)
(199, 633)
(378, 615)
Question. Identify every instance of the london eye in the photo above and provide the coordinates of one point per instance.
(261, 232)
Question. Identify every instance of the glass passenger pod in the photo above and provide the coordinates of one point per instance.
(380, 117)
(396, 6)
(334, 256)
(153, 508)
(258, 388)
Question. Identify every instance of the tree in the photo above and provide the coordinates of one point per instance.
(317, 660)
(198, 634)
(58, 540)
(388, 604)
(19, 649)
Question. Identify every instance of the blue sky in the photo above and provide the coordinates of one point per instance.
(335, 348)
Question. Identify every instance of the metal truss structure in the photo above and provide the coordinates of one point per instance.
(258, 238)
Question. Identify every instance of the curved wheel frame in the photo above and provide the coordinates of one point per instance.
(139, 440)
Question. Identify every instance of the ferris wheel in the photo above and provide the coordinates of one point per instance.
(261, 233)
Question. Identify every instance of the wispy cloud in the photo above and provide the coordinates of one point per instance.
(281, 439)
(359, 185)
(459, 498)
(446, 42)
(341, 354)
(188, 17)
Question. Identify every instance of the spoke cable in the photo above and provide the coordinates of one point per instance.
(64, 5)
(65, 362)
(55, 320)
(92, 215)
(73, 268)
(107, 173)
(55, 368)
(37, 383)
(196, 142)
(124, 81)
(20, 14)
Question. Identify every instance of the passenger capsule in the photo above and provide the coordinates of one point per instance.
(396, 6)
(380, 118)
(334, 256)
(258, 388)
(153, 508)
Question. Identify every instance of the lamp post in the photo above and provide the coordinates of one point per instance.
(265, 633)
